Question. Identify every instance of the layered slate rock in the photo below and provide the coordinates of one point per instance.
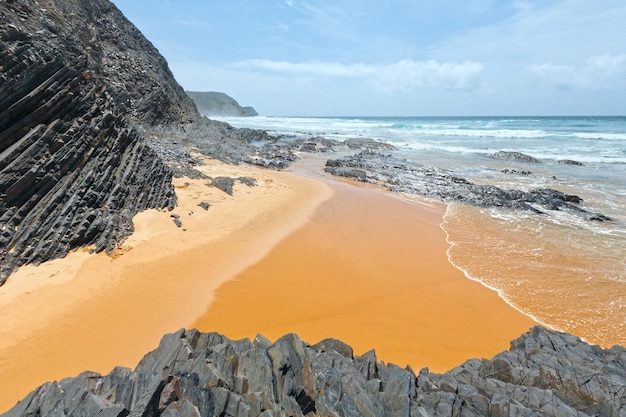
(545, 373)
(78, 85)
(403, 176)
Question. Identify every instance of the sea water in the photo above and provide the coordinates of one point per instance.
(566, 272)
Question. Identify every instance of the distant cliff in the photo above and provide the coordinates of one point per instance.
(78, 85)
(219, 104)
(194, 374)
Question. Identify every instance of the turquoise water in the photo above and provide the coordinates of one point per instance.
(587, 139)
(564, 271)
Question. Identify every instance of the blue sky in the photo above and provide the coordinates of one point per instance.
(396, 57)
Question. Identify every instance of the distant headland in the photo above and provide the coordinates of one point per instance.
(212, 103)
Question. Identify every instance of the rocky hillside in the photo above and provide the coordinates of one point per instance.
(219, 104)
(78, 82)
(193, 374)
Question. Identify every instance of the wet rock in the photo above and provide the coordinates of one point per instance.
(309, 147)
(557, 195)
(515, 171)
(359, 174)
(597, 217)
(544, 373)
(404, 176)
(367, 143)
(515, 156)
(570, 162)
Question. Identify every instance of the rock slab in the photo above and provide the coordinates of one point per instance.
(78, 85)
(545, 373)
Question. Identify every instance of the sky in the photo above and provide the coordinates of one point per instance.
(396, 57)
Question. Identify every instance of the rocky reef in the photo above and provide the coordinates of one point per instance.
(545, 373)
(403, 176)
(212, 103)
(78, 86)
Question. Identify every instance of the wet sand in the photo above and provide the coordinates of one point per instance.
(323, 259)
(369, 269)
(532, 260)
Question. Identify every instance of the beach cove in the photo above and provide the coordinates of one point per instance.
(293, 254)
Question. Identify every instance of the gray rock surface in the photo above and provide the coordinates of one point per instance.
(404, 176)
(226, 184)
(212, 103)
(515, 156)
(545, 373)
(76, 81)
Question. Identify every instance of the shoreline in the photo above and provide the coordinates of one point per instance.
(530, 274)
(166, 278)
(373, 267)
(501, 295)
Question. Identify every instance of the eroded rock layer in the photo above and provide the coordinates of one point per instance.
(76, 80)
(545, 373)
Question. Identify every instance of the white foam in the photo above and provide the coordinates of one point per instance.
(600, 136)
(501, 294)
(460, 135)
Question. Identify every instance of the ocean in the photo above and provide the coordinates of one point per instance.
(566, 272)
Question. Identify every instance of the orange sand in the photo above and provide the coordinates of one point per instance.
(371, 270)
(95, 312)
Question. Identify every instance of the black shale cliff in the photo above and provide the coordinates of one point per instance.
(78, 85)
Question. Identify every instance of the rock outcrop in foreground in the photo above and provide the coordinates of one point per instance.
(545, 373)
(78, 85)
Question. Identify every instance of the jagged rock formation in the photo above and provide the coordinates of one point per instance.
(403, 176)
(211, 103)
(545, 373)
(76, 77)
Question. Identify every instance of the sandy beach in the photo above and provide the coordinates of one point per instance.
(94, 312)
(369, 269)
(293, 254)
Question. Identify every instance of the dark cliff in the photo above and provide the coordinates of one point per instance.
(78, 85)
(193, 374)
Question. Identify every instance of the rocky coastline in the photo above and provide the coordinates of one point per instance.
(76, 82)
(545, 373)
(403, 176)
(93, 127)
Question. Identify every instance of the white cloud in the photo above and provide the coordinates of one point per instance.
(557, 31)
(597, 72)
(402, 75)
